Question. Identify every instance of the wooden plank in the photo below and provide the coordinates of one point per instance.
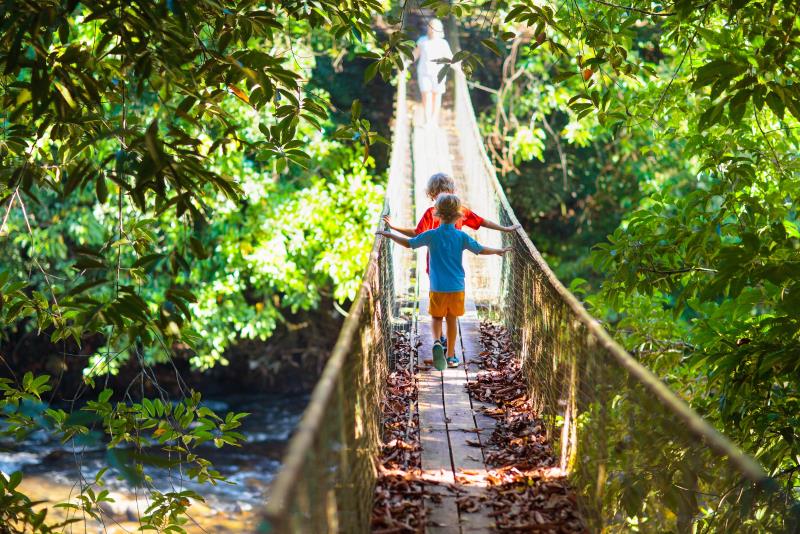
(468, 459)
(459, 415)
(472, 367)
(466, 452)
(436, 455)
(453, 380)
(440, 500)
(456, 398)
(440, 503)
(479, 520)
(442, 515)
(431, 413)
(459, 412)
(429, 398)
(484, 423)
(470, 335)
(447, 418)
(472, 346)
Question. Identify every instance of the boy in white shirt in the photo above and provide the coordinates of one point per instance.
(429, 48)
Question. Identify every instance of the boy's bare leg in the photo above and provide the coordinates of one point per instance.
(436, 105)
(436, 326)
(427, 104)
(452, 334)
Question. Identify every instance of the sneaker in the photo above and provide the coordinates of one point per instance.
(452, 362)
(438, 356)
(443, 340)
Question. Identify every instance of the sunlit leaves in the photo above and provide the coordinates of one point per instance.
(166, 512)
(393, 56)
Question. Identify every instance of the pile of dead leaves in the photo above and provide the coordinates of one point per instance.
(529, 493)
(398, 505)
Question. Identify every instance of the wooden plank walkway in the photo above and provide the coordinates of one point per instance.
(451, 431)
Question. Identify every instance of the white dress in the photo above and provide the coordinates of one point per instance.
(427, 69)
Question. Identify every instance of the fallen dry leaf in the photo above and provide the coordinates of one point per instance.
(528, 493)
(398, 500)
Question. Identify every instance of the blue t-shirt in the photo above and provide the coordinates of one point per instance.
(446, 245)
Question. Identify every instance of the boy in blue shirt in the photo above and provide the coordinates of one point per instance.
(446, 245)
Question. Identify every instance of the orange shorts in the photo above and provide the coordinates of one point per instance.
(447, 304)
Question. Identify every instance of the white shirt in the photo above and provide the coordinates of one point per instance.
(429, 51)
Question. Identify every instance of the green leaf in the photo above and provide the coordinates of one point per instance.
(711, 116)
(66, 94)
(791, 229)
(775, 104)
(198, 249)
(564, 75)
(491, 45)
(14, 480)
(371, 71)
(515, 12)
(101, 189)
(105, 395)
(716, 69)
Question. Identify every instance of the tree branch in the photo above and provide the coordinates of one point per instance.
(562, 156)
(636, 9)
(8, 211)
(680, 65)
(679, 271)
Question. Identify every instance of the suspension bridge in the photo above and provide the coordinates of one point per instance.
(637, 457)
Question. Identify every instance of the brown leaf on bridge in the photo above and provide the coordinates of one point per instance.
(530, 493)
(398, 506)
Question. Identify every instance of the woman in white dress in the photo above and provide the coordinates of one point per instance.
(429, 48)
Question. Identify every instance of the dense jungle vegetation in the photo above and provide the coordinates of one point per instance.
(177, 178)
(651, 151)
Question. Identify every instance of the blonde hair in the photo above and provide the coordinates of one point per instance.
(440, 183)
(448, 208)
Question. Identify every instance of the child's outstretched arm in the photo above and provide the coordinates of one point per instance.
(410, 232)
(491, 225)
(400, 240)
(476, 248)
(487, 251)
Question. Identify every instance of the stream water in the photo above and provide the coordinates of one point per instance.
(48, 465)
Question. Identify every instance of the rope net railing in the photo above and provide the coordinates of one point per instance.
(327, 480)
(638, 457)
